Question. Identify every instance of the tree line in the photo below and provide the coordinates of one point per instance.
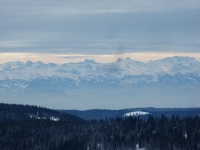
(163, 133)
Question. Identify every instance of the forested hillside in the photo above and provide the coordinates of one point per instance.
(155, 112)
(17, 112)
(119, 133)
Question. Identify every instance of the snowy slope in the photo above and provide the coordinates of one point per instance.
(90, 73)
(136, 113)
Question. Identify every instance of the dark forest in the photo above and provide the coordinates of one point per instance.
(121, 133)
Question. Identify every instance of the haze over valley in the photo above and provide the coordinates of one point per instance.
(169, 82)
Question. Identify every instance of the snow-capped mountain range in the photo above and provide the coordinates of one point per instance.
(123, 72)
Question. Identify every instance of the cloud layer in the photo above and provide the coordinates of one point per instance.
(99, 27)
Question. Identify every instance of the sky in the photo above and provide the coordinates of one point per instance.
(67, 31)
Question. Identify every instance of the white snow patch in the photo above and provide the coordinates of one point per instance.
(51, 118)
(185, 135)
(137, 147)
(136, 113)
(54, 118)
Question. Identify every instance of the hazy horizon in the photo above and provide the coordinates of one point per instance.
(71, 31)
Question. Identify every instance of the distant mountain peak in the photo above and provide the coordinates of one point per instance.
(90, 61)
(128, 58)
(180, 58)
(124, 59)
(29, 63)
(119, 59)
(39, 62)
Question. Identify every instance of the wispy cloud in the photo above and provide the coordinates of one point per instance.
(99, 27)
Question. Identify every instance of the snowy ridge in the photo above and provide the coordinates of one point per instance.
(136, 113)
(122, 72)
